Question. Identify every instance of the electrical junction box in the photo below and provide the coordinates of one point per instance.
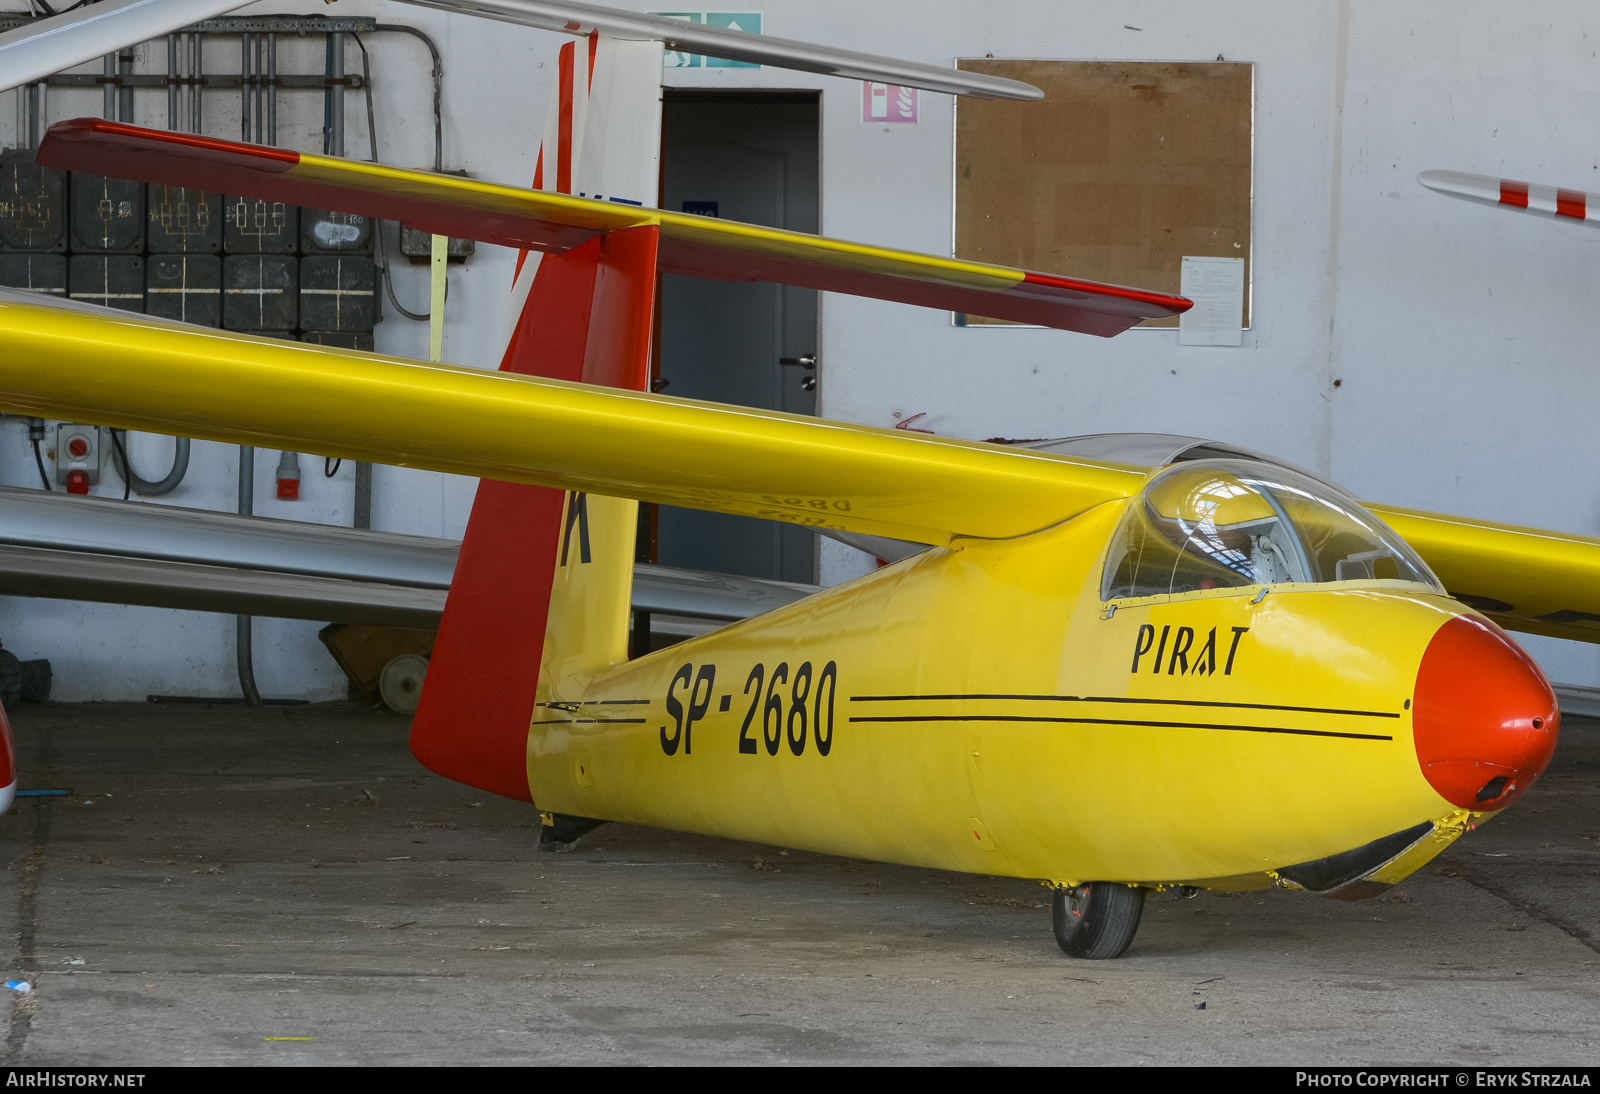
(261, 292)
(183, 220)
(187, 288)
(112, 281)
(33, 211)
(324, 232)
(46, 273)
(107, 215)
(79, 451)
(337, 294)
(252, 226)
(417, 245)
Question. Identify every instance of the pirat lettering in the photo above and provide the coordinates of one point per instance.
(1178, 662)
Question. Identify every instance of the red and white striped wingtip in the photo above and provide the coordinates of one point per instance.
(1526, 197)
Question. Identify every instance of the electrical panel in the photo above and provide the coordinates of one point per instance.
(322, 232)
(184, 221)
(337, 294)
(254, 226)
(351, 340)
(187, 288)
(107, 215)
(112, 281)
(46, 273)
(260, 292)
(33, 214)
(188, 254)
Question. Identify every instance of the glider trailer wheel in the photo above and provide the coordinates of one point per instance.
(1097, 919)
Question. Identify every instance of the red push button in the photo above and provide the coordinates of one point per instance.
(78, 447)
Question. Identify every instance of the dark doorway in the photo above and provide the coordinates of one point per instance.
(750, 156)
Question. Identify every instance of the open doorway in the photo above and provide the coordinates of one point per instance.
(750, 156)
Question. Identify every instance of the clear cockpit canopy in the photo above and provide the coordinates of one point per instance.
(1224, 524)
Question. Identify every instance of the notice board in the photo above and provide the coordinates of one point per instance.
(1122, 169)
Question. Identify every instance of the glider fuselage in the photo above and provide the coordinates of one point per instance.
(977, 708)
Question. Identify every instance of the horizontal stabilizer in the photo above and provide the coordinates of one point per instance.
(540, 220)
(1522, 197)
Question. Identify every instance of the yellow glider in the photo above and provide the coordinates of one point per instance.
(1221, 673)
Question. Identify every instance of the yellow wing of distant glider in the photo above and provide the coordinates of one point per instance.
(539, 220)
(82, 363)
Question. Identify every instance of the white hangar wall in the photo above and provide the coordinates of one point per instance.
(1418, 350)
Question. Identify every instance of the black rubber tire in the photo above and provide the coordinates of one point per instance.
(1097, 920)
(10, 680)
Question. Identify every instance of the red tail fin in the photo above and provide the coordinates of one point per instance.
(588, 317)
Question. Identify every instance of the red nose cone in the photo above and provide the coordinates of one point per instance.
(1484, 719)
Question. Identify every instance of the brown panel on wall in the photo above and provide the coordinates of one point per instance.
(1121, 170)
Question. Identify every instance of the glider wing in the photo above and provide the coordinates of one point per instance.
(1523, 578)
(540, 220)
(1522, 197)
(78, 363)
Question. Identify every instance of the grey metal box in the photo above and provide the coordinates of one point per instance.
(33, 212)
(35, 272)
(252, 226)
(183, 221)
(187, 288)
(107, 215)
(345, 340)
(115, 281)
(337, 293)
(417, 246)
(326, 233)
(260, 292)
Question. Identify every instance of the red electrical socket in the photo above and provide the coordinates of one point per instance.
(288, 489)
(77, 481)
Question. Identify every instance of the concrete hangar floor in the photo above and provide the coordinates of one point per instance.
(222, 879)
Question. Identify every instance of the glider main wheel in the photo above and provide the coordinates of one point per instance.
(1098, 919)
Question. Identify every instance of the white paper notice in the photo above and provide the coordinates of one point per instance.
(1216, 285)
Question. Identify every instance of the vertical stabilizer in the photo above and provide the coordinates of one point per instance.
(541, 591)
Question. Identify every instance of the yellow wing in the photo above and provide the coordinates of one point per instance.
(96, 365)
(1523, 578)
(87, 364)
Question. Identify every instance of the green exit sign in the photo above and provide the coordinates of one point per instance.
(747, 21)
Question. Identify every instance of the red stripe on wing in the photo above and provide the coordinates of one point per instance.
(1514, 193)
(1172, 305)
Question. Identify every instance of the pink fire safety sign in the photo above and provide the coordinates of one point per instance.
(886, 103)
